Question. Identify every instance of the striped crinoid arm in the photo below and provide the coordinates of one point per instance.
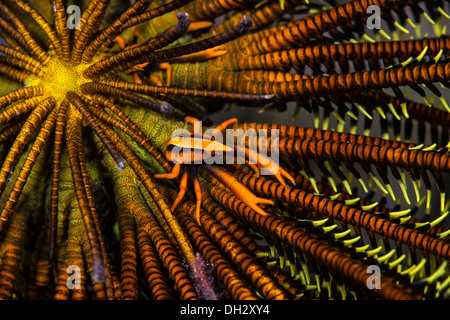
(366, 84)
(72, 249)
(130, 18)
(236, 286)
(21, 142)
(153, 269)
(46, 27)
(318, 252)
(113, 30)
(254, 273)
(27, 166)
(316, 203)
(342, 22)
(163, 108)
(365, 80)
(13, 248)
(129, 282)
(301, 31)
(141, 55)
(213, 8)
(20, 94)
(74, 255)
(56, 169)
(19, 57)
(349, 53)
(111, 282)
(74, 148)
(327, 60)
(150, 90)
(17, 236)
(157, 251)
(261, 16)
(377, 157)
(60, 22)
(19, 76)
(39, 274)
(125, 56)
(314, 217)
(76, 101)
(154, 12)
(162, 206)
(89, 23)
(13, 28)
(410, 116)
(126, 125)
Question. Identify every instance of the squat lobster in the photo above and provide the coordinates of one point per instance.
(193, 151)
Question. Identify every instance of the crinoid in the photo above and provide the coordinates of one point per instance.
(87, 124)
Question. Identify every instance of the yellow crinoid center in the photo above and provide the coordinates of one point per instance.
(58, 78)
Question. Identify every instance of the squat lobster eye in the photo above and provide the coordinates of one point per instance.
(192, 150)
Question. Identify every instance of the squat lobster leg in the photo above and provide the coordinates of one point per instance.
(183, 187)
(238, 189)
(198, 193)
(219, 128)
(172, 175)
(264, 162)
(225, 124)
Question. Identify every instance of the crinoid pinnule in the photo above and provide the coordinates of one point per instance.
(88, 118)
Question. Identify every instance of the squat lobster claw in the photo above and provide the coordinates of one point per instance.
(193, 151)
